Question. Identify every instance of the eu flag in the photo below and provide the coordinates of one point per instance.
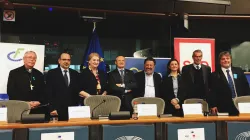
(94, 46)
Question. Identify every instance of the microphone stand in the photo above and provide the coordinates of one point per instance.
(92, 113)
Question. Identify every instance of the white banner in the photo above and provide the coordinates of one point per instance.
(11, 57)
(184, 47)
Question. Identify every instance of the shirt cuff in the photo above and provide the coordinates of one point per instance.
(177, 100)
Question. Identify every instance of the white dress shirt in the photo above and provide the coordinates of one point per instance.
(231, 74)
(149, 86)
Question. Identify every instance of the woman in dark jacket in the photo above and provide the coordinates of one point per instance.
(171, 89)
(92, 80)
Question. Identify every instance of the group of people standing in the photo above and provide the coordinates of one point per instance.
(64, 87)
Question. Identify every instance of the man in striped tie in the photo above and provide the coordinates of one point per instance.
(227, 83)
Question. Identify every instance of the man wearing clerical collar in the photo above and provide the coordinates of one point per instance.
(148, 81)
(27, 83)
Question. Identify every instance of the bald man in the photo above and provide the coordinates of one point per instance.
(122, 84)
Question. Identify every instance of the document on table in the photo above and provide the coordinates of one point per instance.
(58, 136)
(191, 134)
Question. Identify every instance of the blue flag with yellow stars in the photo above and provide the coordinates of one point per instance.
(94, 46)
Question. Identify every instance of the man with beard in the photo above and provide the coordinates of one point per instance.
(122, 84)
(62, 88)
(148, 81)
(27, 84)
(227, 83)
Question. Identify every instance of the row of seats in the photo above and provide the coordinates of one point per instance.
(110, 104)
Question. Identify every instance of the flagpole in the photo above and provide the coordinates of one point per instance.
(94, 26)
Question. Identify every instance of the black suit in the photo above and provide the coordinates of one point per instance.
(221, 95)
(18, 87)
(188, 77)
(140, 81)
(167, 94)
(62, 96)
(88, 82)
(130, 84)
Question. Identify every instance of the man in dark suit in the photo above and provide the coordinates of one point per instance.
(27, 83)
(148, 81)
(196, 78)
(227, 83)
(62, 88)
(122, 84)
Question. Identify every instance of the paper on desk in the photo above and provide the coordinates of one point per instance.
(191, 134)
(192, 109)
(3, 114)
(58, 136)
(79, 112)
(244, 107)
(147, 110)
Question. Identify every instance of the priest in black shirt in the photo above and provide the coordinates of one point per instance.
(26, 83)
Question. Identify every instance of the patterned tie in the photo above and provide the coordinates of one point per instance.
(122, 75)
(231, 84)
(66, 77)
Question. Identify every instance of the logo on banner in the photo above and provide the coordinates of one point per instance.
(243, 136)
(129, 138)
(15, 55)
(9, 15)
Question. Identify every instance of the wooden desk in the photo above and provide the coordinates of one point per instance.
(102, 122)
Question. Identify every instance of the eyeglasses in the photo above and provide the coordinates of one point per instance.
(65, 59)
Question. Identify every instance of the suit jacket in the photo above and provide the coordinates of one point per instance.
(18, 87)
(140, 81)
(62, 96)
(221, 95)
(167, 94)
(115, 78)
(188, 79)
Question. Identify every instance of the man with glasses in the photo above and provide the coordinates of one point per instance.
(196, 78)
(62, 88)
(27, 83)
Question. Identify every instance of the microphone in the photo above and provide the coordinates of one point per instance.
(92, 113)
(33, 118)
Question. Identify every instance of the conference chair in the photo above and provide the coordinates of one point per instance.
(102, 105)
(160, 103)
(241, 99)
(15, 109)
(196, 101)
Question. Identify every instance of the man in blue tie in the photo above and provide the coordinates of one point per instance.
(227, 83)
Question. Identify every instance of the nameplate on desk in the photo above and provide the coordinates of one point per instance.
(3, 115)
(79, 112)
(192, 110)
(147, 110)
(244, 108)
(58, 136)
(191, 134)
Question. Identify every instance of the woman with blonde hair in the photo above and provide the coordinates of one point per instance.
(92, 80)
